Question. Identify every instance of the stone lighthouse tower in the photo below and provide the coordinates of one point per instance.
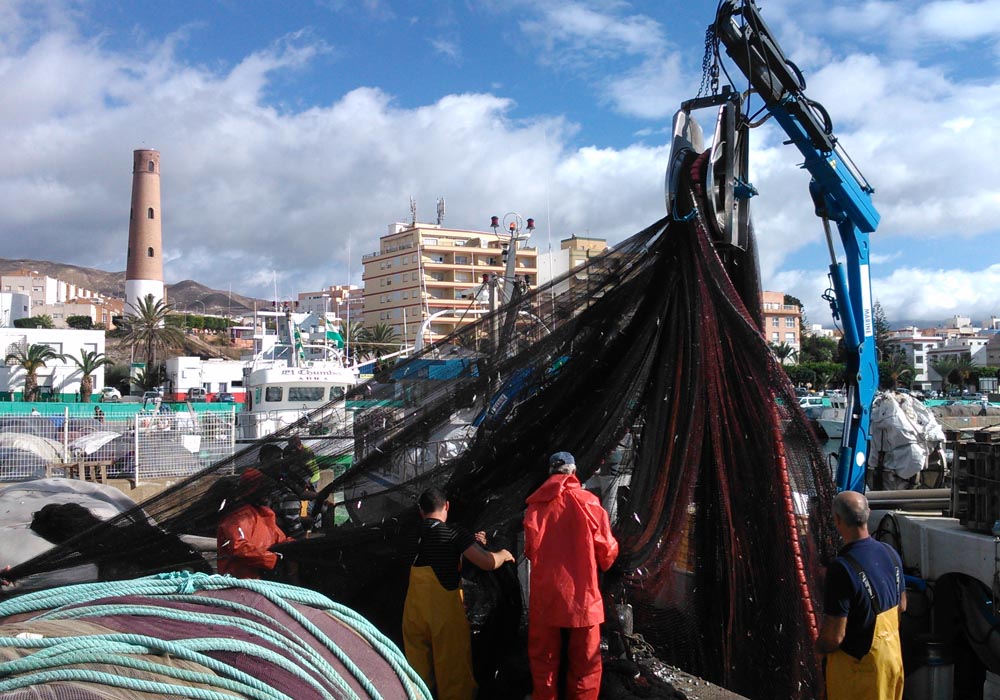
(144, 268)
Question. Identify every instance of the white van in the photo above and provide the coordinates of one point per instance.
(197, 393)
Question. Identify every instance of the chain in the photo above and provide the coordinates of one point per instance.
(709, 65)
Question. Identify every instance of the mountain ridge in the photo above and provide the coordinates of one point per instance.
(182, 295)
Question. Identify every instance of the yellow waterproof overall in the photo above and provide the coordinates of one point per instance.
(436, 636)
(878, 675)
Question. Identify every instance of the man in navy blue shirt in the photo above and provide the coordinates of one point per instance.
(862, 603)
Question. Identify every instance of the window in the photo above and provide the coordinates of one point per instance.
(149, 213)
(918, 359)
(461, 260)
(430, 241)
(336, 393)
(149, 252)
(273, 393)
(414, 258)
(790, 338)
(306, 393)
(789, 322)
(775, 321)
(774, 337)
(152, 167)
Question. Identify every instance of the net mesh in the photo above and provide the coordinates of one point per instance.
(649, 365)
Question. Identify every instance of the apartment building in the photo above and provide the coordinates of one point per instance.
(422, 272)
(993, 351)
(573, 252)
(344, 300)
(781, 320)
(42, 289)
(917, 349)
(99, 311)
(13, 306)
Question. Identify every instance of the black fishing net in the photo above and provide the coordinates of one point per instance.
(649, 365)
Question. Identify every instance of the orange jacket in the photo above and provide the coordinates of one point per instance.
(244, 538)
(567, 537)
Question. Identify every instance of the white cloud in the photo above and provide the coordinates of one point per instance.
(248, 189)
(907, 293)
(653, 90)
(582, 32)
(447, 47)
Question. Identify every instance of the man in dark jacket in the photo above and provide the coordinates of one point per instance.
(567, 538)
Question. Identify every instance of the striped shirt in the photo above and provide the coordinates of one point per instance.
(440, 547)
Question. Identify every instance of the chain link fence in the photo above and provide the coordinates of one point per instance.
(106, 443)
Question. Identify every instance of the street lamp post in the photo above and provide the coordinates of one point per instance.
(513, 225)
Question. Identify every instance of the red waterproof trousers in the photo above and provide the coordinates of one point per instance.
(583, 661)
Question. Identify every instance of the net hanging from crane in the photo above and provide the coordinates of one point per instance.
(648, 364)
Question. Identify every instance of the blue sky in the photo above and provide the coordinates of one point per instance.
(292, 133)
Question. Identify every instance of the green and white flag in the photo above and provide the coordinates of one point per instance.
(337, 338)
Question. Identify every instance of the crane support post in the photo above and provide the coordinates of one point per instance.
(840, 191)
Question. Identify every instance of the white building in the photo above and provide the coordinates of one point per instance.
(816, 330)
(43, 289)
(916, 348)
(214, 376)
(13, 305)
(59, 380)
(573, 252)
(344, 301)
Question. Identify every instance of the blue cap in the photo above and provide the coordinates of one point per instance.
(560, 458)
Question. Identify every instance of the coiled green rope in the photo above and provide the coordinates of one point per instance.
(181, 587)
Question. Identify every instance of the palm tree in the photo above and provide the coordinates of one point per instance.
(145, 327)
(379, 339)
(945, 368)
(784, 351)
(353, 333)
(88, 363)
(964, 368)
(31, 359)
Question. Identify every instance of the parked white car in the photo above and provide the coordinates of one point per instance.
(110, 394)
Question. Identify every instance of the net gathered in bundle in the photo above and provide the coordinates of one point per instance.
(648, 364)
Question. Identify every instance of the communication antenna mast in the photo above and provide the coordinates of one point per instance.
(413, 211)
(440, 204)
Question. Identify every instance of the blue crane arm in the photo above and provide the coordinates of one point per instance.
(840, 194)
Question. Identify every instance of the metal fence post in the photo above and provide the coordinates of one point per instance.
(135, 447)
(65, 434)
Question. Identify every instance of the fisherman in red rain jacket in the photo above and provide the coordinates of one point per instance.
(245, 536)
(567, 538)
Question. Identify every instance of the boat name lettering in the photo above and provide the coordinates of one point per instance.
(302, 372)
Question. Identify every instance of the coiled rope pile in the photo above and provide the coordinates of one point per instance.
(195, 636)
